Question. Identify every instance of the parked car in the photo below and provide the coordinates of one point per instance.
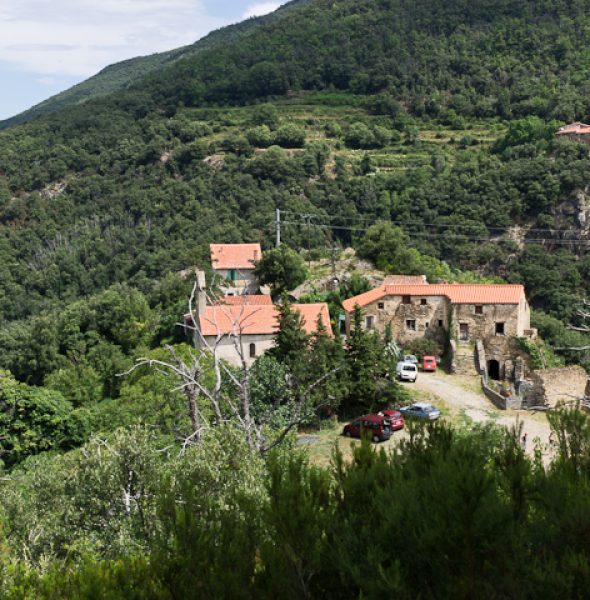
(374, 426)
(421, 410)
(411, 358)
(406, 371)
(429, 363)
(395, 417)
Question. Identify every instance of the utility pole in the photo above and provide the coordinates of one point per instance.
(278, 223)
(308, 218)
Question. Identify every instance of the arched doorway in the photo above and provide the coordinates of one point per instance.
(494, 369)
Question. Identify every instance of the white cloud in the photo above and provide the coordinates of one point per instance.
(261, 8)
(80, 37)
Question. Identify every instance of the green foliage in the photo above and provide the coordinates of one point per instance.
(33, 420)
(220, 522)
(291, 342)
(289, 136)
(423, 347)
(281, 268)
(366, 367)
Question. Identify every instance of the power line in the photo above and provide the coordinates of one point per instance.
(372, 220)
(455, 237)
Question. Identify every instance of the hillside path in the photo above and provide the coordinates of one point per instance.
(460, 395)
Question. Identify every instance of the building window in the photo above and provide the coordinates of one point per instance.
(232, 275)
(423, 302)
(381, 305)
(369, 322)
(411, 324)
(440, 323)
(479, 310)
(427, 325)
(464, 332)
(252, 350)
(499, 328)
(406, 300)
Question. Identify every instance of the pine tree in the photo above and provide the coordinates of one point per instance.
(291, 345)
(327, 357)
(365, 365)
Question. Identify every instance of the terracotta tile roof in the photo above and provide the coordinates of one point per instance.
(258, 299)
(574, 129)
(364, 299)
(234, 256)
(405, 280)
(252, 319)
(457, 293)
(312, 313)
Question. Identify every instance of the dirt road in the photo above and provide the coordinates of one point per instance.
(462, 397)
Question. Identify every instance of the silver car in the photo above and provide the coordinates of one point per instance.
(421, 410)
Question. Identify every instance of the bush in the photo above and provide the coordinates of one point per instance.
(290, 136)
(423, 347)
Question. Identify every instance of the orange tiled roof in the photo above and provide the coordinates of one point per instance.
(250, 319)
(258, 299)
(405, 280)
(574, 129)
(457, 293)
(234, 256)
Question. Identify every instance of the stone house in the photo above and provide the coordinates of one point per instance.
(234, 264)
(579, 132)
(246, 326)
(494, 314)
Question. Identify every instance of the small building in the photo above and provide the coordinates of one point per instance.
(246, 326)
(405, 280)
(245, 299)
(495, 314)
(234, 264)
(579, 132)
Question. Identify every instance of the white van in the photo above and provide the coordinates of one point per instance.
(406, 371)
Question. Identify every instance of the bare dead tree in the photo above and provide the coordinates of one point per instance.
(228, 398)
(584, 313)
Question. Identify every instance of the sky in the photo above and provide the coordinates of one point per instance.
(47, 46)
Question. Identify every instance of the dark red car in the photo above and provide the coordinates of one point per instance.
(375, 427)
(395, 418)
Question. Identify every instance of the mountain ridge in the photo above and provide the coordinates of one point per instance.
(122, 74)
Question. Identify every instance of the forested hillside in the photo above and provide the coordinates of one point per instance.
(437, 116)
(421, 133)
(121, 75)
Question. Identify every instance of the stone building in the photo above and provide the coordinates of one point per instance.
(234, 264)
(494, 314)
(579, 132)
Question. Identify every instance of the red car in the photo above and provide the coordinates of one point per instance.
(429, 363)
(395, 418)
(375, 427)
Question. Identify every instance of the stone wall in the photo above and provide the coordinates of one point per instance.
(549, 386)
(430, 318)
(245, 282)
(500, 401)
(226, 348)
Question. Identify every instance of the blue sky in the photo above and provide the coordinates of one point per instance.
(47, 46)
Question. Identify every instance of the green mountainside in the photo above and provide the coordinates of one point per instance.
(438, 116)
(421, 134)
(121, 75)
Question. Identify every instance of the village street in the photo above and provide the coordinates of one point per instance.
(461, 397)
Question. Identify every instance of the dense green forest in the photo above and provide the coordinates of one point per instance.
(452, 514)
(419, 133)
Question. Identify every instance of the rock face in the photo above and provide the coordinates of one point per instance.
(549, 386)
(575, 212)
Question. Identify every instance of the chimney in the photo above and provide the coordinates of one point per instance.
(201, 295)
